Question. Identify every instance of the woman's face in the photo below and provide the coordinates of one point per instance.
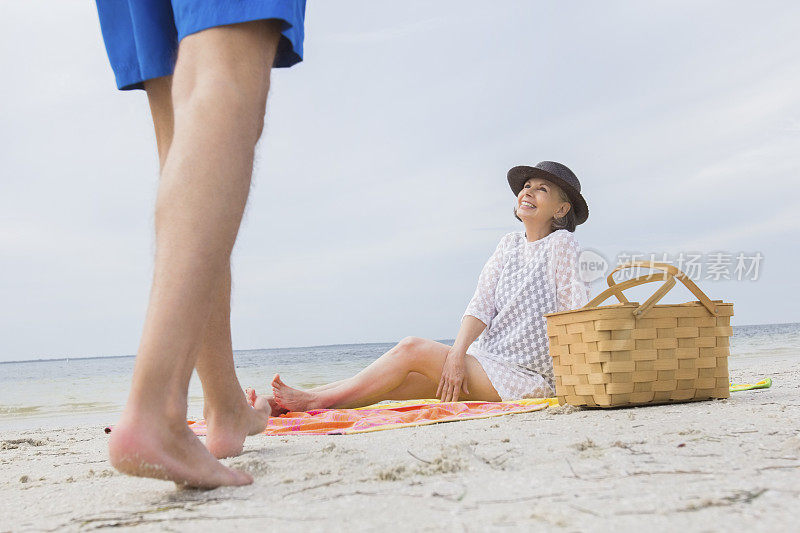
(540, 200)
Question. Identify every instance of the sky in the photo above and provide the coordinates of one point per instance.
(379, 187)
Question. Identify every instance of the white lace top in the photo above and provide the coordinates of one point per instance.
(520, 282)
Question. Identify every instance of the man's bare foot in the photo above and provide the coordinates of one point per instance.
(227, 427)
(294, 399)
(169, 451)
(264, 403)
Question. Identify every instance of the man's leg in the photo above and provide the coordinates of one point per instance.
(159, 96)
(219, 97)
(228, 416)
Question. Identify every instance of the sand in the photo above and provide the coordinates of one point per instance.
(703, 466)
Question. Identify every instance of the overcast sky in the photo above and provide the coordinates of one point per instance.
(379, 189)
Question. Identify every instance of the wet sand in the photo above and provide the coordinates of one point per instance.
(696, 467)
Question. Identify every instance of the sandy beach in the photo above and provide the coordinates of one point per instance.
(704, 466)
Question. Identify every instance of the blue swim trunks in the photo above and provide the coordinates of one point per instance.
(142, 36)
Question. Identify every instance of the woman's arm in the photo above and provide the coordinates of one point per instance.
(482, 305)
(478, 316)
(454, 374)
(470, 329)
(571, 291)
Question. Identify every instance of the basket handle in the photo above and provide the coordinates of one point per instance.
(617, 288)
(668, 269)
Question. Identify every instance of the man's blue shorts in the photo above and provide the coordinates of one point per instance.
(142, 36)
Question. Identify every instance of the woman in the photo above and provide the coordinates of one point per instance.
(530, 273)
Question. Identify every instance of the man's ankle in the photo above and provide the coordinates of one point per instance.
(225, 404)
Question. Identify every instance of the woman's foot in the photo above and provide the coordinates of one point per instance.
(264, 403)
(228, 426)
(168, 450)
(294, 399)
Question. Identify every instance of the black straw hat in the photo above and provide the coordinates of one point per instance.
(558, 174)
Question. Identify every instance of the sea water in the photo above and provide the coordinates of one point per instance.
(92, 391)
(89, 391)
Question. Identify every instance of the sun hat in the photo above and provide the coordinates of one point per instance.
(558, 174)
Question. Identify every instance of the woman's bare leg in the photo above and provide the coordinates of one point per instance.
(219, 95)
(413, 376)
(415, 386)
(223, 394)
(385, 375)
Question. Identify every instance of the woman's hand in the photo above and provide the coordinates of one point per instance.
(454, 376)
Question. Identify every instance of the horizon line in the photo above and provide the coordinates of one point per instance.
(41, 360)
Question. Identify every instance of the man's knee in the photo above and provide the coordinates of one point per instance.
(226, 96)
(228, 67)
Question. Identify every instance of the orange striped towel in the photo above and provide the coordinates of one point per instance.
(404, 414)
(388, 416)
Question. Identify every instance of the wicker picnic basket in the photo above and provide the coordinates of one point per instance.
(630, 354)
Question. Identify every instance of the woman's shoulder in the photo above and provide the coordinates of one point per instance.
(512, 239)
(563, 241)
(563, 237)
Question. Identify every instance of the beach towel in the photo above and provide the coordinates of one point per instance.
(385, 416)
(763, 384)
(380, 417)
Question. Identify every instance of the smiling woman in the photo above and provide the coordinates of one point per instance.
(551, 185)
(539, 187)
(501, 350)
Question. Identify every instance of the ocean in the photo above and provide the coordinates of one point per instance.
(92, 391)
